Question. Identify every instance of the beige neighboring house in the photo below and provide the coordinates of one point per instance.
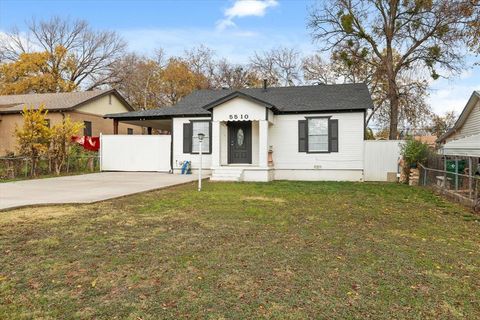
(87, 107)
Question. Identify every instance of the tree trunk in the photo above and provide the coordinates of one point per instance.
(393, 98)
(392, 93)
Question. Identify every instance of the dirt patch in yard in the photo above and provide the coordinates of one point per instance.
(258, 198)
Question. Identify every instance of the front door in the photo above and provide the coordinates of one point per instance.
(240, 142)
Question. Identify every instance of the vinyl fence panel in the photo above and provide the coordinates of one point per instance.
(381, 159)
(135, 152)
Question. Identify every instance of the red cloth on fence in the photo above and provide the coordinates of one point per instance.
(88, 143)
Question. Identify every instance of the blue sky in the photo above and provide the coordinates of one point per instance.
(232, 28)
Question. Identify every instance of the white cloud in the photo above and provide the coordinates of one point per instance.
(447, 95)
(245, 8)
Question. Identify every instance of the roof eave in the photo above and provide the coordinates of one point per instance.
(237, 94)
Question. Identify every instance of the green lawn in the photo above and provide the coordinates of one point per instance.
(282, 250)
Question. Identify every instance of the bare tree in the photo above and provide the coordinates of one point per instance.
(141, 80)
(318, 71)
(280, 66)
(91, 54)
(400, 34)
(440, 124)
(234, 76)
(201, 60)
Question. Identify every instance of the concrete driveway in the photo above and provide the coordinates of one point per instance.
(85, 188)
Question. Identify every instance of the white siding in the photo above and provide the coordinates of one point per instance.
(284, 139)
(178, 156)
(347, 164)
(243, 109)
(471, 125)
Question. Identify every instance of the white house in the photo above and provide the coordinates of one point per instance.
(463, 140)
(262, 134)
(466, 129)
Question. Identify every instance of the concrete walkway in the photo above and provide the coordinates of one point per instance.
(85, 188)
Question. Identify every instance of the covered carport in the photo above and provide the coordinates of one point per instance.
(149, 119)
(466, 148)
(462, 156)
(151, 151)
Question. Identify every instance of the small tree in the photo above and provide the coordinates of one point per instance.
(413, 152)
(60, 142)
(34, 136)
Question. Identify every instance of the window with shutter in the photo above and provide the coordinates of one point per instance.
(317, 129)
(201, 127)
(318, 135)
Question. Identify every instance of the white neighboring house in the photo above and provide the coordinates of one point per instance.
(263, 134)
(464, 138)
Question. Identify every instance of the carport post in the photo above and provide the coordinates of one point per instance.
(100, 152)
(115, 126)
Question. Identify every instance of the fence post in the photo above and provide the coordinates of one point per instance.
(424, 175)
(456, 173)
(444, 172)
(470, 173)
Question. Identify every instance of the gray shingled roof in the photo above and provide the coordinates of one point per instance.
(53, 101)
(282, 99)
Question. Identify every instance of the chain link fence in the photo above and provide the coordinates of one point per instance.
(459, 187)
(12, 168)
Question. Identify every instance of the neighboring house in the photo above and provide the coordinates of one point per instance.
(427, 139)
(87, 107)
(263, 134)
(463, 140)
(468, 123)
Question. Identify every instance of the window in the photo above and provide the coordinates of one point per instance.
(129, 131)
(317, 135)
(201, 127)
(87, 129)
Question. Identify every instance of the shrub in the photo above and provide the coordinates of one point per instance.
(414, 152)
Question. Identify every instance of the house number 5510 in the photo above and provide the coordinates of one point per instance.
(238, 116)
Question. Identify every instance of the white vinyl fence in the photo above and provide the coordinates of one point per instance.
(135, 152)
(381, 159)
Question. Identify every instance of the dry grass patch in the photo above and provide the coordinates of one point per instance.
(282, 250)
(272, 199)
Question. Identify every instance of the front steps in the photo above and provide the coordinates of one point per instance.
(227, 174)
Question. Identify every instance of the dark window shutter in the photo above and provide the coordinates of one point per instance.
(302, 135)
(187, 137)
(333, 135)
(210, 137)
